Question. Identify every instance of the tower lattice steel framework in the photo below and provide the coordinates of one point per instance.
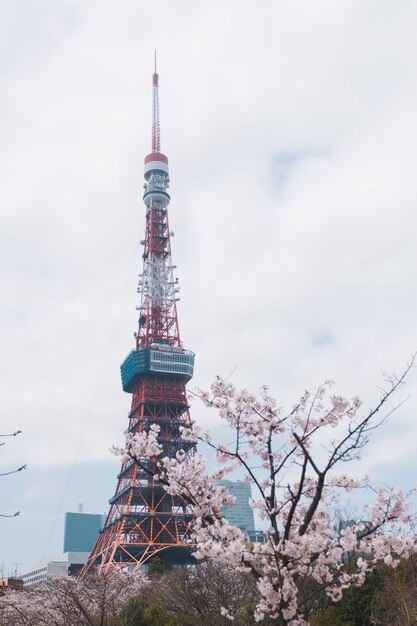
(143, 520)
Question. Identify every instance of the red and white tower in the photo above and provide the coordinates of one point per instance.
(143, 520)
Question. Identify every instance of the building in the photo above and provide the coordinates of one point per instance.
(81, 531)
(75, 562)
(15, 584)
(80, 534)
(50, 569)
(240, 513)
(256, 536)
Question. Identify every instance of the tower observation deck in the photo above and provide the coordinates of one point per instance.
(144, 521)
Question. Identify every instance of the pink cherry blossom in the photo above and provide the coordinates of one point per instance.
(293, 460)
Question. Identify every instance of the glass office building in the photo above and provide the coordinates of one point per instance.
(240, 513)
(81, 531)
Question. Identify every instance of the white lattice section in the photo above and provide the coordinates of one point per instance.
(157, 284)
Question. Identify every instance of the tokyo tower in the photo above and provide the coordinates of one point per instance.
(144, 521)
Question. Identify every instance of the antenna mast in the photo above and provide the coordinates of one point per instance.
(156, 130)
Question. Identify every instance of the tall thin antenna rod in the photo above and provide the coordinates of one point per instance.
(156, 131)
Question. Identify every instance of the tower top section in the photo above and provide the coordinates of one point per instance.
(155, 161)
(158, 322)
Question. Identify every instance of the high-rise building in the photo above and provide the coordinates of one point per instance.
(240, 513)
(144, 521)
(80, 534)
(81, 531)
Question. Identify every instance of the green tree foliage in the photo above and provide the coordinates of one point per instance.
(329, 617)
(387, 598)
(355, 606)
(159, 615)
(395, 603)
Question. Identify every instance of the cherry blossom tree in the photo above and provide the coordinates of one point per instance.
(200, 592)
(293, 459)
(95, 601)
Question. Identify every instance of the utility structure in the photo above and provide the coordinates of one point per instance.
(144, 521)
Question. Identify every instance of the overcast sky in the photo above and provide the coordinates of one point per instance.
(291, 132)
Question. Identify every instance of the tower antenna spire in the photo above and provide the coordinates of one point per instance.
(156, 131)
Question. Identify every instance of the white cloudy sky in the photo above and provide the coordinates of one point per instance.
(291, 131)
